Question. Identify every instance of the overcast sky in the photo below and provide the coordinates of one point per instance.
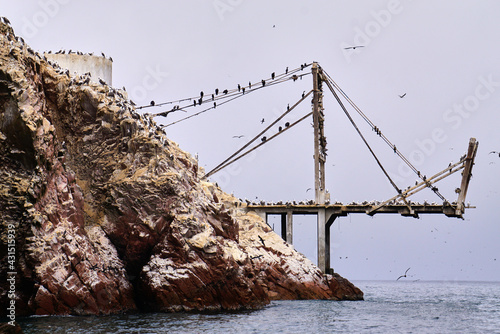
(443, 55)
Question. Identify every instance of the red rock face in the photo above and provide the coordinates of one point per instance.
(111, 216)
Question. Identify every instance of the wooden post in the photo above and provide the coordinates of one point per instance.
(466, 175)
(319, 138)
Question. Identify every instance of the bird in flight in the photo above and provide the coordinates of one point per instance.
(354, 47)
(239, 136)
(401, 96)
(495, 152)
(308, 189)
(262, 121)
(403, 275)
(262, 240)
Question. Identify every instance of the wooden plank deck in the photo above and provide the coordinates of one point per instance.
(339, 209)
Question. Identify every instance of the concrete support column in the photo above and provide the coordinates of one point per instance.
(328, 265)
(322, 240)
(283, 226)
(287, 226)
(262, 214)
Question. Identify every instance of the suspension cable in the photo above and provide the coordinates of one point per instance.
(380, 134)
(368, 145)
(259, 145)
(224, 163)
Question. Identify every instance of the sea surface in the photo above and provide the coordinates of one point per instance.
(389, 307)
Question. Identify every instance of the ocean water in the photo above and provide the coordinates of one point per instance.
(389, 307)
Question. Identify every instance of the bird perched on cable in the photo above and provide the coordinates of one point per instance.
(152, 103)
(262, 240)
(216, 91)
(495, 152)
(201, 94)
(263, 82)
(286, 70)
(263, 139)
(225, 91)
(239, 87)
(354, 47)
(273, 75)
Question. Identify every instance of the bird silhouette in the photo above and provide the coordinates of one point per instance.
(262, 240)
(262, 121)
(354, 47)
(273, 75)
(240, 136)
(401, 96)
(495, 152)
(152, 103)
(403, 275)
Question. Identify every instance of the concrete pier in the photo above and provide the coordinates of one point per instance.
(327, 213)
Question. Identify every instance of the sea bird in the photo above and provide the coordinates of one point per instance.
(403, 275)
(495, 152)
(262, 240)
(401, 96)
(354, 47)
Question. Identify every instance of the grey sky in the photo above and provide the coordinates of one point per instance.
(443, 55)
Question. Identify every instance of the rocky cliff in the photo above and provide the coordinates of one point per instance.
(105, 214)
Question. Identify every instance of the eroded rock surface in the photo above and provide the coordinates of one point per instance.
(111, 216)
